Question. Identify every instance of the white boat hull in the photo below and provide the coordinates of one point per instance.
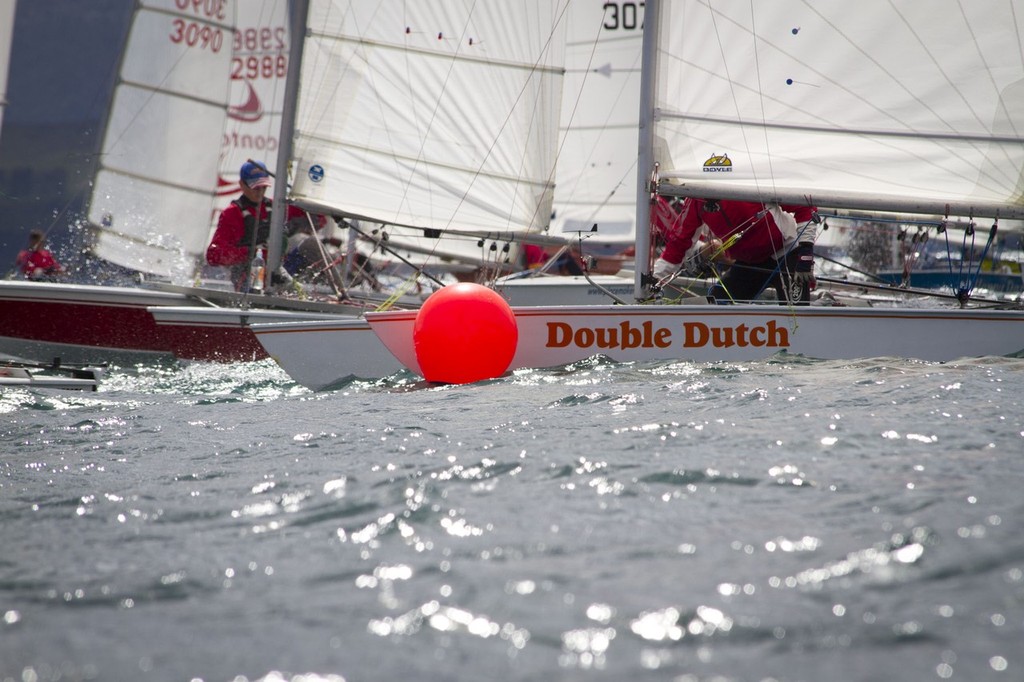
(318, 354)
(551, 336)
(222, 334)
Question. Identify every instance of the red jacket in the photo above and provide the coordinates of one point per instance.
(760, 237)
(225, 247)
(30, 261)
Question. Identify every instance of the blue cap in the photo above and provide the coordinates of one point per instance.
(255, 174)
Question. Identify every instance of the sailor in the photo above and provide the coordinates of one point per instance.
(567, 262)
(244, 226)
(756, 245)
(36, 262)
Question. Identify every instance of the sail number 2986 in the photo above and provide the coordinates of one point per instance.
(623, 16)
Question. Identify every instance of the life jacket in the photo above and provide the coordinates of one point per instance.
(250, 211)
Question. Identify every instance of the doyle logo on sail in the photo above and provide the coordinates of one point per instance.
(718, 164)
(626, 336)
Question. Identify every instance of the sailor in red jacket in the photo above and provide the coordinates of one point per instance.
(244, 225)
(760, 244)
(36, 262)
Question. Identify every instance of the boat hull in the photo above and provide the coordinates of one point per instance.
(27, 375)
(942, 279)
(318, 354)
(82, 323)
(221, 334)
(551, 336)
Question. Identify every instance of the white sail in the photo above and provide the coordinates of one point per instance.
(154, 192)
(6, 37)
(259, 65)
(596, 169)
(434, 115)
(894, 105)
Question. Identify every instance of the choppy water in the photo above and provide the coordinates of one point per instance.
(791, 520)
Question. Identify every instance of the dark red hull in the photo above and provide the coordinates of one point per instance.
(38, 319)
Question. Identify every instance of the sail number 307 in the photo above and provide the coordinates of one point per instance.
(623, 16)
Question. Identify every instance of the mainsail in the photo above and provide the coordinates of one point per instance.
(439, 116)
(200, 91)
(153, 194)
(902, 105)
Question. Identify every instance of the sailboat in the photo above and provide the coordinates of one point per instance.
(818, 105)
(433, 119)
(151, 110)
(21, 374)
(199, 91)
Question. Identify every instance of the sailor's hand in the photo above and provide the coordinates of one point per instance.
(702, 263)
(804, 268)
(714, 252)
(662, 268)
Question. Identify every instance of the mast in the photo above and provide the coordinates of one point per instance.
(297, 33)
(645, 154)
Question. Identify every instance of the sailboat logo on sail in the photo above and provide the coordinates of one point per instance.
(251, 110)
(718, 164)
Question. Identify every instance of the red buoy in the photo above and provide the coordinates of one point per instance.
(464, 333)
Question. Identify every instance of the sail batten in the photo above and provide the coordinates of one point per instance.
(411, 51)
